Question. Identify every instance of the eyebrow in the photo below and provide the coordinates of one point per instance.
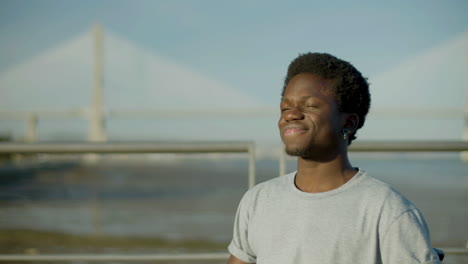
(302, 98)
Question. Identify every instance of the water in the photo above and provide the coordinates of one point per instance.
(196, 197)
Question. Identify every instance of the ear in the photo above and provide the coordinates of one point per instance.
(351, 122)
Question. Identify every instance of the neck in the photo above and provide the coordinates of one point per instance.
(320, 176)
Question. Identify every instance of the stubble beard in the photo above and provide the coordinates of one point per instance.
(313, 151)
(302, 152)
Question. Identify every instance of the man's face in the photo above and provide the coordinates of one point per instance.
(310, 122)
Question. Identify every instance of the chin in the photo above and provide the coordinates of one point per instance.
(298, 151)
(311, 150)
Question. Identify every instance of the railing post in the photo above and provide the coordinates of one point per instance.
(464, 154)
(252, 180)
(282, 161)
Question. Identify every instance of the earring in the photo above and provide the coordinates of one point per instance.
(345, 133)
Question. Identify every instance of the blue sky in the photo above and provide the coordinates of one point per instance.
(241, 42)
(244, 44)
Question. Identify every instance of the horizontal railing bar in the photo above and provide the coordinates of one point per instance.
(409, 146)
(145, 257)
(114, 257)
(455, 251)
(126, 147)
(218, 147)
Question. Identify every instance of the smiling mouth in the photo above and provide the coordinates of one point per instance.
(293, 131)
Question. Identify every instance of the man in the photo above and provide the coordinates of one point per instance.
(327, 211)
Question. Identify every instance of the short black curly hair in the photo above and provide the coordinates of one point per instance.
(351, 88)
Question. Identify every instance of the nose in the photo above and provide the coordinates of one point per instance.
(294, 113)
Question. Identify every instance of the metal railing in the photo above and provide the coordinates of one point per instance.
(136, 147)
(148, 257)
(116, 257)
(198, 147)
(409, 146)
(128, 147)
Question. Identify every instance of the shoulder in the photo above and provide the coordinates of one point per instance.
(389, 203)
(385, 194)
(270, 189)
(277, 184)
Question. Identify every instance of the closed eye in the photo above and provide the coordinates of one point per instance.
(284, 107)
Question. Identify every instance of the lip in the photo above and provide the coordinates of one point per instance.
(291, 130)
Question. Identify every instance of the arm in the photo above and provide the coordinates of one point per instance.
(234, 260)
(239, 248)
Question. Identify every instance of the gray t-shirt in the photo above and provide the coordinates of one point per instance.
(363, 221)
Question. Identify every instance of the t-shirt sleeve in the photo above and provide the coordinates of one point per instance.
(239, 246)
(407, 240)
